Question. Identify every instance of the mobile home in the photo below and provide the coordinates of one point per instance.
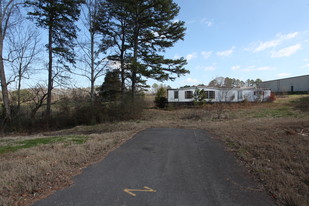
(187, 94)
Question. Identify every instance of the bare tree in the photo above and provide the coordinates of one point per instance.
(23, 50)
(7, 10)
(93, 63)
(38, 97)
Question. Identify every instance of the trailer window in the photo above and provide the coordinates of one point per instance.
(239, 94)
(188, 94)
(176, 95)
(258, 93)
(211, 95)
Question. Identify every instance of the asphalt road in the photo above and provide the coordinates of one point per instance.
(164, 167)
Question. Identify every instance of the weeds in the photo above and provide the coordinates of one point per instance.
(302, 104)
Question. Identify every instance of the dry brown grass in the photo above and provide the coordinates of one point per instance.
(269, 139)
(276, 151)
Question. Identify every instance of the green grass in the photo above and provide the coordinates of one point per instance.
(40, 141)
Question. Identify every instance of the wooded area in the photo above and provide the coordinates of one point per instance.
(122, 39)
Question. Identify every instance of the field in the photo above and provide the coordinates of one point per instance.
(270, 139)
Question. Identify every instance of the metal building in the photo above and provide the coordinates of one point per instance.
(298, 84)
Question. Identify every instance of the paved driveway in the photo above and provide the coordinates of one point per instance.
(158, 167)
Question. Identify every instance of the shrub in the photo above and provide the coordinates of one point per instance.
(160, 99)
(161, 102)
(272, 97)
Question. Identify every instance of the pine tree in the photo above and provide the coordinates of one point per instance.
(116, 32)
(151, 29)
(58, 17)
(111, 87)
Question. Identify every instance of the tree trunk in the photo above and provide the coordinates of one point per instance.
(50, 75)
(5, 93)
(92, 65)
(19, 86)
(134, 68)
(122, 66)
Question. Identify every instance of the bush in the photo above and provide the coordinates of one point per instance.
(161, 102)
(160, 99)
(272, 97)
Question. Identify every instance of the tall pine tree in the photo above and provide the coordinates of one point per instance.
(116, 33)
(58, 17)
(152, 29)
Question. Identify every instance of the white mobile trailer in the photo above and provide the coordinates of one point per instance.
(186, 95)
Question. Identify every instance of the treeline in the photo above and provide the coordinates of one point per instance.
(226, 82)
(125, 37)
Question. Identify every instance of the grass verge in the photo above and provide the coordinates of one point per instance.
(39, 141)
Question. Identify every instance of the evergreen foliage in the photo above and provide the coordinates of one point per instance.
(199, 96)
(141, 31)
(111, 87)
(160, 99)
(58, 17)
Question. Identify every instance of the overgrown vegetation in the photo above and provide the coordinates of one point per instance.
(126, 37)
(160, 98)
(302, 104)
(73, 111)
(270, 139)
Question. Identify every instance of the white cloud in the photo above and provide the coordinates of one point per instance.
(251, 68)
(206, 54)
(287, 36)
(191, 81)
(265, 45)
(237, 67)
(275, 42)
(206, 21)
(286, 52)
(283, 75)
(226, 53)
(191, 56)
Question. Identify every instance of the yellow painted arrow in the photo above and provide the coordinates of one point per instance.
(146, 189)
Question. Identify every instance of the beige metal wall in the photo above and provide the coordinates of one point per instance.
(293, 84)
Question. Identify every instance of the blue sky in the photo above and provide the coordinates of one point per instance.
(243, 39)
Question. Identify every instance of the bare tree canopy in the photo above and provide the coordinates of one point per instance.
(7, 10)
